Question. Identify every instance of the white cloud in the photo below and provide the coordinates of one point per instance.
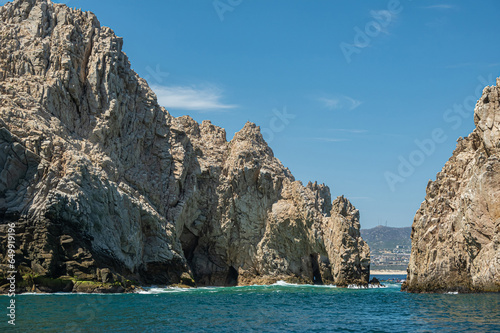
(331, 103)
(346, 130)
(340, 102)
(206, 98)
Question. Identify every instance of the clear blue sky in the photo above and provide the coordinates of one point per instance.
(363, 80)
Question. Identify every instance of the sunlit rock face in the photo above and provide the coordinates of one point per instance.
(456, 231)
(103, 184)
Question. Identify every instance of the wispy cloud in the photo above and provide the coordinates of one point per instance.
(205, 98)
(439, 6)
(330, 139)
(392, 135)
(348, 130)
(339, 102)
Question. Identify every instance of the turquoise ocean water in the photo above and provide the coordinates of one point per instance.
(277, 308)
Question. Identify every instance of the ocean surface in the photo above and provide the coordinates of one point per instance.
(277, 308)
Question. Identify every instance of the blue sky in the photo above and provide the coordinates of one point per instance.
(368, 97)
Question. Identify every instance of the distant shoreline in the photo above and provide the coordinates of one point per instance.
(387, 272)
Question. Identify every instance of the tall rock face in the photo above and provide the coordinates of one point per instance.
(105, 185)
(456, 231)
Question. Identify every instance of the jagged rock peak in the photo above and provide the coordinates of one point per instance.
(323, 194)
(250, 132)
(41, 16)
(344, 207)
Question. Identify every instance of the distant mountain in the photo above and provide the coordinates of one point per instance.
(381, 237)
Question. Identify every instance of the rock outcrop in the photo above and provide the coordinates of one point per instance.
(105, 185)
(456, 231)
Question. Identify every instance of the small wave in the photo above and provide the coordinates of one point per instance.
(375, 286)
(52, 294)
(284, 284)
(251, 288)
(355, 286)
(392, 285)
(165, 290)
(161, 290)
(452, 293)
(369, 286)
(60, 293)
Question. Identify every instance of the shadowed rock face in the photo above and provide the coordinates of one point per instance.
(456, 231)
(105, 185)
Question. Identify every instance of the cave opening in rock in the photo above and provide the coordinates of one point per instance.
(189, 242)
(232, 277)
(315, 268)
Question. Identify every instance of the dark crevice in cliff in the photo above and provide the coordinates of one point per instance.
(232, 277)
(315, 269)
(84, 71)
(189, 243)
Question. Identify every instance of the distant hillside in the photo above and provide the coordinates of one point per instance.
(381, 237)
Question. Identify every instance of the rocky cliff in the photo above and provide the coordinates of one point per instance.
(456, 231)
(105, 187)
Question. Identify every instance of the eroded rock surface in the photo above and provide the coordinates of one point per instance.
(456, 231)
(105, 185)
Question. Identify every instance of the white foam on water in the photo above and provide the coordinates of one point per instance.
(66, 294)
(57, 294)
(166, 290)
(251, 288)
(375, 286)
(282, 283)
(355, 286)
(370, 286)
(158, 290)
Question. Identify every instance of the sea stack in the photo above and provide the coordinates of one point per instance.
(456, 231)
(106, 189)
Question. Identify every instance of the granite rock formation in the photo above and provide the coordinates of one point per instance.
(456, 231)
(105, 186)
